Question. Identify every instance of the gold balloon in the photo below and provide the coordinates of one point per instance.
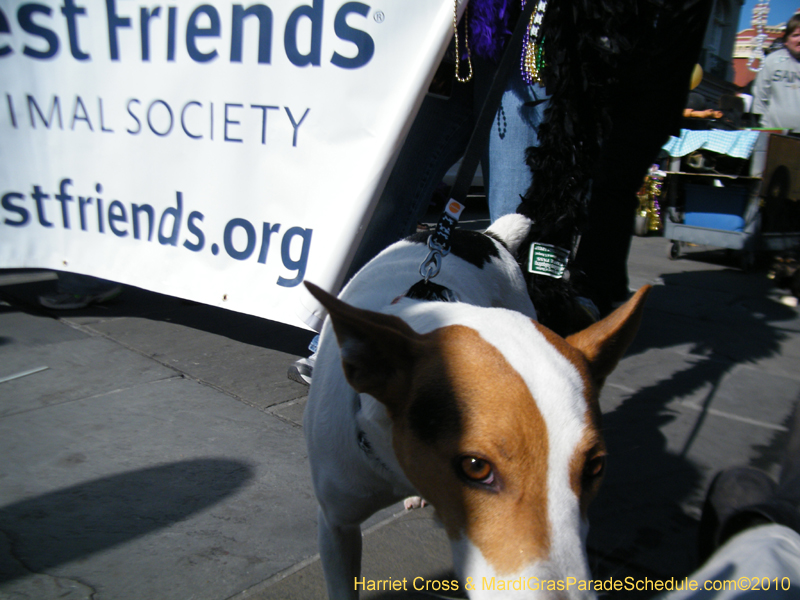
(697, 77)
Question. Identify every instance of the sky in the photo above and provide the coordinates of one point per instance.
(779, 12)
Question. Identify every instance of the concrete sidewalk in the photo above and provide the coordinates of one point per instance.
(153, 448)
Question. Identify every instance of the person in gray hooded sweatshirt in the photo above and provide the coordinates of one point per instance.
(777, 88)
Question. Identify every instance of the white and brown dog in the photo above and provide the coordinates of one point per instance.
(471, 404)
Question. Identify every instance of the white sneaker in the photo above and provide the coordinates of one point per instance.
(300, 370)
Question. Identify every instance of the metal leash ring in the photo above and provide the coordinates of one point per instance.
(439, 240)
(432, 264)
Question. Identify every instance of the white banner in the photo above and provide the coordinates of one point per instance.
(217, 152)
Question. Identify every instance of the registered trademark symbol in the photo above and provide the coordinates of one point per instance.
(379, 16)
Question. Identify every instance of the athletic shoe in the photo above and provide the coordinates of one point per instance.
(300, 370)
(77, 301)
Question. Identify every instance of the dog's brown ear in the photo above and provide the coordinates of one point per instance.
(377, 350)
(605, 342)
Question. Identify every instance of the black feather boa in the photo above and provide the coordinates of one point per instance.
(617, 72)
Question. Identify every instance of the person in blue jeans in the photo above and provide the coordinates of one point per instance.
(438, 139)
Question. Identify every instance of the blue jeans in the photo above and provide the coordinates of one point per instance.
(438, 138)
(505, 174)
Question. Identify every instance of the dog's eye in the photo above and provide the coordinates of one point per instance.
(594, 467)
(477, 470)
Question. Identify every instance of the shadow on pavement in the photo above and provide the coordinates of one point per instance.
(715, 320)
(75, 522)
(137, 302)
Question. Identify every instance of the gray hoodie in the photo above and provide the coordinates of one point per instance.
(777, 92)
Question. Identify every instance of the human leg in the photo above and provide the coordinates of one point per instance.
(759, 560)
(749, 535)
(506, 176)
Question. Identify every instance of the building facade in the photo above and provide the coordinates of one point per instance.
(752, 43)
(717, 56)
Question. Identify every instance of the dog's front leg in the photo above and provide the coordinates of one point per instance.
(340, 552)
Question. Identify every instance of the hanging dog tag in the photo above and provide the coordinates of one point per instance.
(448, 221)
(546, 259)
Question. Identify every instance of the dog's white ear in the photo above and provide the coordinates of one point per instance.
(605, 342)
(377, 350)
